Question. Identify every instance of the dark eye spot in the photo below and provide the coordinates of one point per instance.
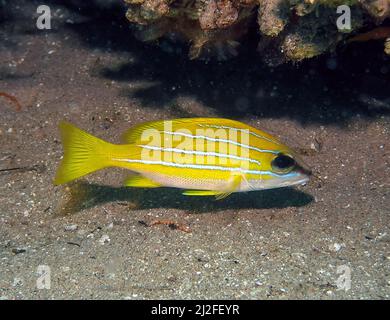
(283, 162)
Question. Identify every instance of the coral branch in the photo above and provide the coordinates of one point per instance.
(289, 30)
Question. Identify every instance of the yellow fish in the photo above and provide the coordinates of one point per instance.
(205, 156)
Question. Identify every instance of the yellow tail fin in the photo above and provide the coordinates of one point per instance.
(83, 154)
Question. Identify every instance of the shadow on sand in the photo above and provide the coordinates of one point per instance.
(330, 89)
(83, 195)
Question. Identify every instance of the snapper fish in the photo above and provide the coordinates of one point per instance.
(204, 156)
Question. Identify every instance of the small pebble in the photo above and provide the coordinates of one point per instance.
(18, 250)
(258, 283)
(17, 282)
(104, 239)
(71, 227)
(335, 247)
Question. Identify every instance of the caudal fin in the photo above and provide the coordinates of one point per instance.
(83, 154)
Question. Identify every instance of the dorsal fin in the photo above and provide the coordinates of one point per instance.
(133, 134)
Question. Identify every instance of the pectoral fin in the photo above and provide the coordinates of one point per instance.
(218, 194)
(234, 184)
(140, 182)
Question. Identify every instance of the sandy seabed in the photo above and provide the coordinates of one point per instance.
(93, 237)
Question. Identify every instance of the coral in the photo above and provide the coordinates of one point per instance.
(273, 16)
(387, 46)
(289, 30)
(378, 9)
(313, 35)
(211, 26)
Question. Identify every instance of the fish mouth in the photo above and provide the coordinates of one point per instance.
(305, 176)
(305, 171)
(301, 167)
(301, 181)
(302, 177)
(299, 176)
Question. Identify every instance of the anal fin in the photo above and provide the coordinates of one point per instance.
(232, 186)
(140, 182)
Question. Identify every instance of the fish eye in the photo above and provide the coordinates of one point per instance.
(283, 163)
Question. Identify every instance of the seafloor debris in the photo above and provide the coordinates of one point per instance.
(288, 30)
(170, 223)
(13, 99)
(375, 34)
